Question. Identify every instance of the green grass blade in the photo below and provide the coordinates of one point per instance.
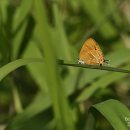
(116, 113)
(21, 13)
(8, 68)
(60, 106)
(38, 73)
(19, 26)
(35, 108)
(60, 37)
(61, 62)
(101, 83)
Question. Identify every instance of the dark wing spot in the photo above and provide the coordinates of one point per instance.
(95, 48)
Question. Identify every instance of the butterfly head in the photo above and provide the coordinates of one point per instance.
(81, 61)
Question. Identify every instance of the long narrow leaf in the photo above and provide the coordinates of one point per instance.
(8, 68)
(61, 62)
(116, 113)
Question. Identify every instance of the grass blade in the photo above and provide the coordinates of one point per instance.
(61, 62)
(116, 113)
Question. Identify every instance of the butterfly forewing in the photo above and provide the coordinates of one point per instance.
(91, 53)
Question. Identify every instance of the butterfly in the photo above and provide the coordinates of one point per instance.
(91, 53)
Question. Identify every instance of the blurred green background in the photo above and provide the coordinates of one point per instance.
(48, 96)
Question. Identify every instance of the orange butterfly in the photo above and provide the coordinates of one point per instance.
(91, 53)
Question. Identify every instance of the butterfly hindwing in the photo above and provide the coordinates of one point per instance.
(91, 53)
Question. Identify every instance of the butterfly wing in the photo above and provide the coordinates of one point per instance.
(91, 53)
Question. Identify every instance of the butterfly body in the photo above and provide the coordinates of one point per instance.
(91, 53)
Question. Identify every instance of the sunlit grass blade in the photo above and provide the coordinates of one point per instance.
(8, 68)
(115, 112)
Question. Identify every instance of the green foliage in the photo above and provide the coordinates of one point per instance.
(51, 91)
(118, 118)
